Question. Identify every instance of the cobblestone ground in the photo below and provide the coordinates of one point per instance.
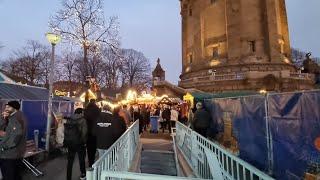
(155, 147)
(54, 169)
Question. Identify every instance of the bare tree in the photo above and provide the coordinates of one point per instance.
(298, 56)
(112, 68)
(135, 68)
(29, 62)
(67, 64)
(83, 22)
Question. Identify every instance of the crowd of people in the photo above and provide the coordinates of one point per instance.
(198, 118)
(98, 128)
(90, 130)
(87, 131)
(167, 114)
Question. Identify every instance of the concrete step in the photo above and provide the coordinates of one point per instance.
(161, 163)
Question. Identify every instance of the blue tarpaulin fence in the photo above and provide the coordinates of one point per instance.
(276, 133)
(36, 114)
(294, 120)
(247, 116)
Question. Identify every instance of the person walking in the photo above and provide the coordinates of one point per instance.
(201, 120)
(59, 130)
(13, 141)
(174, 116)
(118, 124)
(166, 116)
(109, 127)
(143, 120)
(75, 139)
(91, 114)
(126, 115)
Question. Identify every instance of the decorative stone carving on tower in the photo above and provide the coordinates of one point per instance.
(242, 41)
(158, 73)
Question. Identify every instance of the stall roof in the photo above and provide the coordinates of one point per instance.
(23, 92)
(167, 100)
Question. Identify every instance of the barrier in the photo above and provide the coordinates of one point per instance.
(210, 161)
(119, 156)
(140, 176)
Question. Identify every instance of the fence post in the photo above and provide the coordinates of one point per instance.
(129, 149)
(89, 174)
(194, 151)
(214, 164)
(269, 137)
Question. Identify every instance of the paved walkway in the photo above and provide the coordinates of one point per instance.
(157, 154)
(55, 169)
(157, 158)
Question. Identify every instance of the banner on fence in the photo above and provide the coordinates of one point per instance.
(295, 128)
(239, 125)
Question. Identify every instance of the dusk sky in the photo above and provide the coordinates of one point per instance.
(150, 26)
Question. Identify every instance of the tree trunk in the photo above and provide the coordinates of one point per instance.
(86, 73)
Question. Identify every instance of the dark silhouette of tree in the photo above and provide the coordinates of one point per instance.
(30, 62)
(135, 69)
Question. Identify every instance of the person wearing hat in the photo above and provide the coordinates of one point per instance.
(13, 141)
(201, 120)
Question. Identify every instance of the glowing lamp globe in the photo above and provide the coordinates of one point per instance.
(53, 38)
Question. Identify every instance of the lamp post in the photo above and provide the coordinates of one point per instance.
(53, 39)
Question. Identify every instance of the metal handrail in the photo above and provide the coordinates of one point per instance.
(140, 176)
(119, 156)
(203, 155)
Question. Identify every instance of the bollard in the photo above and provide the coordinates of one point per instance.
(36, 138)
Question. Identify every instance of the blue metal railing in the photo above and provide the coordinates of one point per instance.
(209, 160)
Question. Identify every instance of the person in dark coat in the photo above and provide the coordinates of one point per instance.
(145, 114)
(80, 149)
(119, 124)
(109, 128)
(13, 141)
(91, 114)
(201, 120)
(166, 116)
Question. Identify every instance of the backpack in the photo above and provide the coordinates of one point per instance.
(72, 134)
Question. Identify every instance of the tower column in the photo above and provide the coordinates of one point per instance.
(233, 28)
(273, 35)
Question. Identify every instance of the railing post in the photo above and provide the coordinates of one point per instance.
(214, 164)
(89, 174)
(130, 148)
(194, 150)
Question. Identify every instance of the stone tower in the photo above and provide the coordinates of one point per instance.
(237, 45)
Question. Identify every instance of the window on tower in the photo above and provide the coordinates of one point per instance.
(215, 52)
(252, 46)
(190, 12)
(190, 58)
(281, 43)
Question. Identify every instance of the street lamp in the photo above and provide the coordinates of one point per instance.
(53, 39)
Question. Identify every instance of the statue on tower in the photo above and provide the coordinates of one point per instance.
(311, 67)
